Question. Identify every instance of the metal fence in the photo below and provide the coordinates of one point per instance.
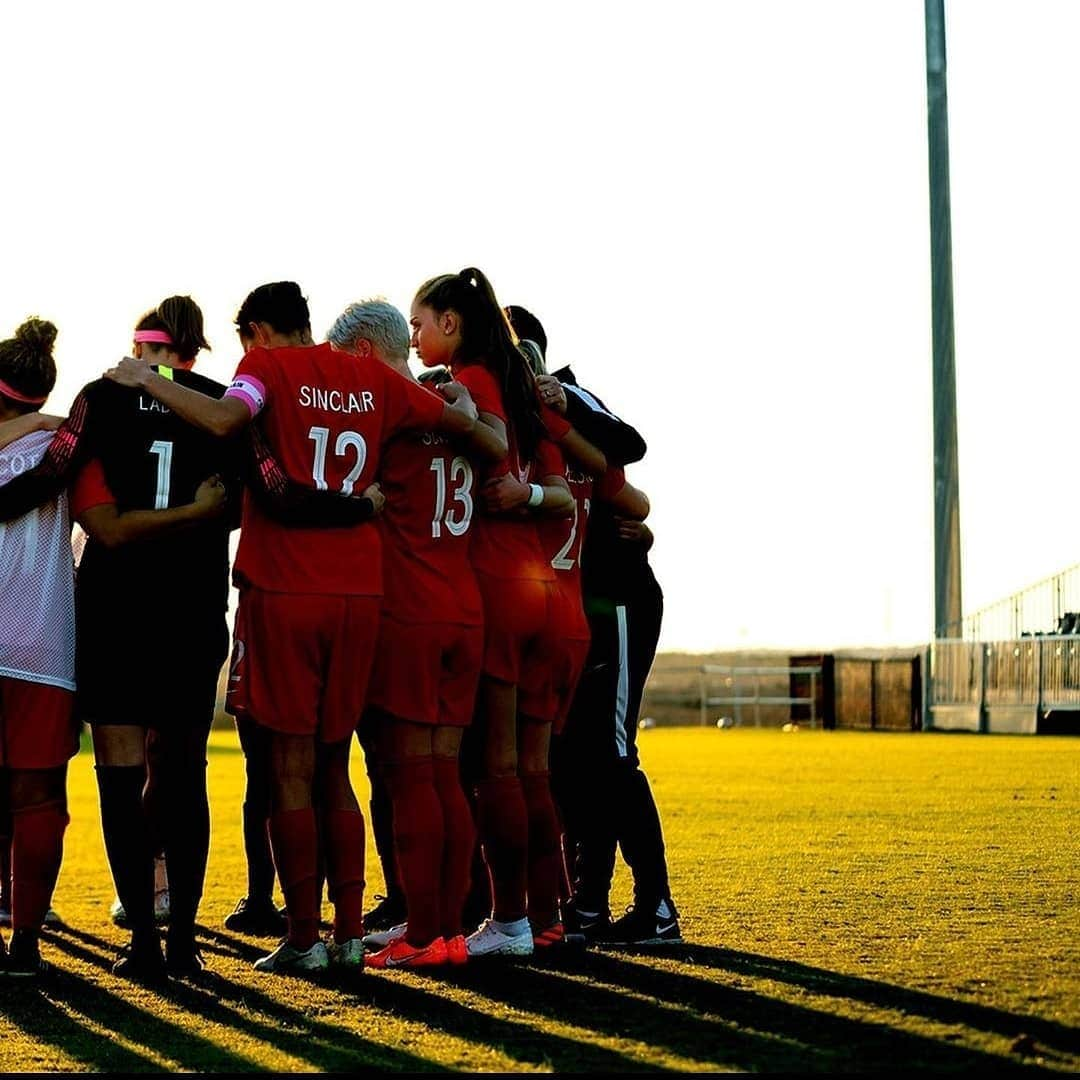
(745, 690)
(1050, 606)
(1041, 672)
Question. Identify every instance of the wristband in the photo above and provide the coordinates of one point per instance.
(536, 495)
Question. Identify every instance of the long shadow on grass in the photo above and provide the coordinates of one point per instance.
(34, 1011)
(48, 1024)
(723, 1025)
(517, 1040)
(887, 995)
(331, 1048)
(324, 1046)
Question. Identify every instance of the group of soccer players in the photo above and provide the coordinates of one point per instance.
(410, 568)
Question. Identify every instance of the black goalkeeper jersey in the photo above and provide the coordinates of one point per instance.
(153, 460)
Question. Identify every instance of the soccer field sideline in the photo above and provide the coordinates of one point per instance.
(851, 900)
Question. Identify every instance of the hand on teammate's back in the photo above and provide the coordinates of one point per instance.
(458, 395)
(636, 532)
(129, 372)
(503, 493)
(211, 496)
(375, 494)
(550, 392)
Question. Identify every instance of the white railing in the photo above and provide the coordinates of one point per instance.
(736, 678)
(1050, 606)
(1042, 672)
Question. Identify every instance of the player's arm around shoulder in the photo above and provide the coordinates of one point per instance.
(222, 417)
(96, 511)
(483, 433)
(21, 426)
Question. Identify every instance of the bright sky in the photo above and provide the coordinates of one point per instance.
(719, 211)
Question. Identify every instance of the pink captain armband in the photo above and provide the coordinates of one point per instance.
(250, 391)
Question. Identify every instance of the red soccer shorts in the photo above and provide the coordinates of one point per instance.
(38, 729)
(517, 645)
(546, 694)
(427, 672)
(301, 662)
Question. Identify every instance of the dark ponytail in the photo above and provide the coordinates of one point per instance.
(27, 365)
(487, 338)
(182, 319)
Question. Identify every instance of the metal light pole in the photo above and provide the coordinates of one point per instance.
(948, 612)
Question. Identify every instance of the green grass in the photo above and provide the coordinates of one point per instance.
(852, 902)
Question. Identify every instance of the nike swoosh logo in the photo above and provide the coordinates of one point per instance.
(404, 961)
(664, 929)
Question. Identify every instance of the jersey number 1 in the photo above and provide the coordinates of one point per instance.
(163, 452)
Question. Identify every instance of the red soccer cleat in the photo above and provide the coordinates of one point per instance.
(457, 951)
(400, 954)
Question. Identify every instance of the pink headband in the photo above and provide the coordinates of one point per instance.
(154, 337)
(10, 392)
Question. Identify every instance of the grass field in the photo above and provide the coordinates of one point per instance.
(851, 902)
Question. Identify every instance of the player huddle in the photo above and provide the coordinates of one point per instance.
(455, 569)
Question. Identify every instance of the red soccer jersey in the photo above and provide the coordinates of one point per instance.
(503, 547)
(326, 416)
(430, 489)
(561, 538)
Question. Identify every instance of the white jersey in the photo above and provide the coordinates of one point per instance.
(37, 580)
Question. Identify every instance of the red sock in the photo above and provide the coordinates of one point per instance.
(293, 841)
(37, 847)
(343, 833)
(418, 844)
(503, 823)
(545, 850)
(459, 841)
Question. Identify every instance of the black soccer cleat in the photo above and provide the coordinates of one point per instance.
(260, 918)
(590, 925)
(141, 961)
(183, 960)
(645, 925)
(24, 959)
(390, 911)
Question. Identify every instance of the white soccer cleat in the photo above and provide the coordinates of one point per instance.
(349, 954)
(285, 959)
(489, 940)
(381, 938)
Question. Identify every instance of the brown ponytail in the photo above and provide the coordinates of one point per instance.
(182, 319)
(487, 338)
